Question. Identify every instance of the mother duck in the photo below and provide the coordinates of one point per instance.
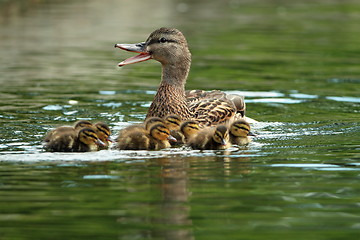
(169, 47)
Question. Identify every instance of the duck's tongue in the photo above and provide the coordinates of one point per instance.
(138, 48)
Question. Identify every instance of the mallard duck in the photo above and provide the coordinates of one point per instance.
(155, 138)
(169, 47)
(68, 139)
(210, 138)
(188, 129)
(240, 132)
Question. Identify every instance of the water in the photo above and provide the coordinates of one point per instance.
(297, 64)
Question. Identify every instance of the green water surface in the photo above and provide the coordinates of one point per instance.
(296, 62)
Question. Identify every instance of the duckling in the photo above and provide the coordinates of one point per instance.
(151, 121)
(169, 47)
(211, 138)
(188, 129)
(103, 131)
(156, 138)
(239, 132)
(173, 122)
(68, 139)
(62, 130)
(83, 124)
(140, 127)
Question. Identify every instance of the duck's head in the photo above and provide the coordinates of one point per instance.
(103, 132)
(160, 132)
(83, 124)
(89, 137)
(149, 122)
(240, 128)
(189, 128)
(221, 135)
(166, 45)
(172, 122)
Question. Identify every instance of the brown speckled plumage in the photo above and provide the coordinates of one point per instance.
(169, 100)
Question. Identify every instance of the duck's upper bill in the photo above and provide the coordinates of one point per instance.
(138, 48)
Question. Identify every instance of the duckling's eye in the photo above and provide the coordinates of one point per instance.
(162, 40)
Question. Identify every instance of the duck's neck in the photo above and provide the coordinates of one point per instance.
(175, 75)
(170, 97)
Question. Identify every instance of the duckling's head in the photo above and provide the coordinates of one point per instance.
(83, 124)
(103, 132)
(166, 45)
(189, 128)
(149, 122)
(160, 132)
(172, 122)
(221, 135)
(240, 128)
(89, 137)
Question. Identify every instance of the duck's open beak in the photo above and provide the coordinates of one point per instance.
(137, 48)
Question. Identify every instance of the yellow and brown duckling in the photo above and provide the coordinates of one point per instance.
(210, 138)
(83, 124)
(102, 130)
(188, 129)
(169, 47)
(173, 123)
(240, 132)
(68, 139)
(63, 130)
(155, 138)
(140, 127)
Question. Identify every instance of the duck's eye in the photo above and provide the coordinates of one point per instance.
(162, 40)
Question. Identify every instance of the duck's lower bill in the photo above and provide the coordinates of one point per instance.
(139, 58)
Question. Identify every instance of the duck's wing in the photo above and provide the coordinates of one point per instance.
(55, 133)
(193, 96)
(214, 107)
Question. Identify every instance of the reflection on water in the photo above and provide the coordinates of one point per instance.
(295, 62)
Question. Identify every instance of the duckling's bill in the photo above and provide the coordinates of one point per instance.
(100, 143)
(137, 48)
(172, 139)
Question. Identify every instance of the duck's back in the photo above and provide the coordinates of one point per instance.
(62, 139)
(214, 107)
(202, 140)
(54, 133)
(134, 140)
